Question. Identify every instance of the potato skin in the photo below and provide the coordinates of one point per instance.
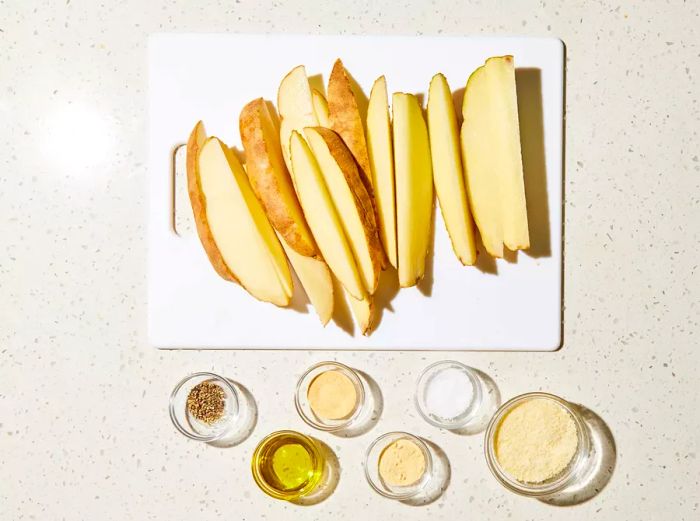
(269, 185)
(346, 120)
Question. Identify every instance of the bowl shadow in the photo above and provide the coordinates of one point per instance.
(601, 467)
(329, 482)
(439, 480)
(490, 402)
(373, 409)
(248, 412)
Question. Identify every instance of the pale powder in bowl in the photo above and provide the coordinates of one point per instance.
(536, 441)
(402, 463)
(332, 395)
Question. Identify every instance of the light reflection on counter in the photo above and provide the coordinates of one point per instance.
(77, 137)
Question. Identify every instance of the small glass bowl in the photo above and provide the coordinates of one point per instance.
(265, 451)
(467, 415)
(191, 426)
(373, 455)
(576, 468)
(301, 399)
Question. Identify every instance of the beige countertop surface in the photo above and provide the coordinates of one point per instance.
(84, 430)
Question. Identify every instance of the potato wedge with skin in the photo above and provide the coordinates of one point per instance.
(322, 217)
(321, 109)
(296, 107)
(363, 311)
(239, 227)
(351, 201)
(194, 145)
(447, 170)
(315, 277)
(347, 121)
(490, 139)
(414, 187)
(381, 157)
(270, 179)
(273, 186)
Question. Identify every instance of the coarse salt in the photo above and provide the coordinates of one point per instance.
(448, 393)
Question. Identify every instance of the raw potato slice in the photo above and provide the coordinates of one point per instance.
(351, 201)
(414, 187)
(346, 119)
(239, 227)
(322, 217)
(296, 107)
(315, 277)
(270, 179)
(381, 157)
(273, 186)
(447, 170)
(321, 109)
(492, 158)
(363, 311)
(194, 144)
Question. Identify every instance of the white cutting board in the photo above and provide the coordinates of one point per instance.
(212, 76)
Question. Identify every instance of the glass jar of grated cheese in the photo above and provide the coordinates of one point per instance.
(537, 445)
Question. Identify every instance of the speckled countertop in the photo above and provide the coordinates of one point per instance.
(83, 426)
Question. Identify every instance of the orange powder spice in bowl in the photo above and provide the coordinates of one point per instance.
(332, 396)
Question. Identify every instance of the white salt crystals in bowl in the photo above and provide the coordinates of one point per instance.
(448, 394)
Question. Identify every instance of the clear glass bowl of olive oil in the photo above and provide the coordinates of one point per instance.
(288, 465)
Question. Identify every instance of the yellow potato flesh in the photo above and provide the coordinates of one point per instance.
(381, 156)
(363, 311)
(447, 170)
(414, 187)
(238, 224)
(345, 206)
(322, 217)
(321, 109)
(316, 280)
(491, 149)
(296, 107)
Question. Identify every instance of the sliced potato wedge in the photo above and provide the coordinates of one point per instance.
(351, 201)
(414, 187)
(270, 178)
(194, 145)
(296, 107)
(490, 139)
(381, 156)
(235, 217)
(315, 277)
(447, 170)
(346, 119)
(321, 109)
(322, 217)
(364, 313)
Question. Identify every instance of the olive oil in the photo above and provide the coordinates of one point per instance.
(287, 465)
(292, 466)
